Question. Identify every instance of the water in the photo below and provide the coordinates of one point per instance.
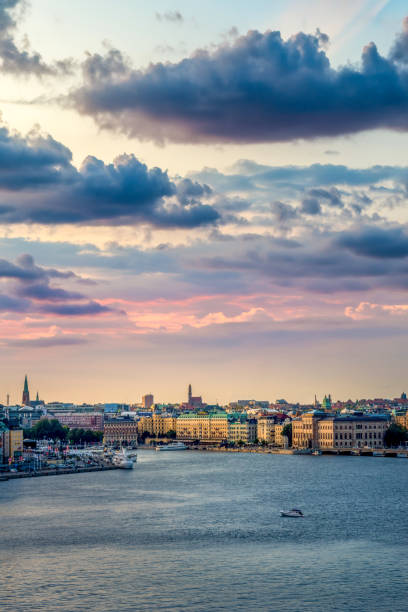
(202, 531)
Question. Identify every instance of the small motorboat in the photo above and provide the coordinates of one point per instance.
(294, 513)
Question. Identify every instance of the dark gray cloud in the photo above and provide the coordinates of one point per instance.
(39, 184)
(24, 269)
(311, 206)
(376, 242)
(399, 51)
(256, 88)
(13, 304)
(23, 61)
(89, 308)
(30, 289)
(247, 175)
(331, 196)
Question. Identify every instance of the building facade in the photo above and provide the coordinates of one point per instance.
(120, 432)
(242, 430)
(203, 426)
(147, 401)
(11, 443)
(317, 430)
(82, 420)
(266, 430)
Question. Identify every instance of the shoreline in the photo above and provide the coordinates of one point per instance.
(55, 472)
(389, 452)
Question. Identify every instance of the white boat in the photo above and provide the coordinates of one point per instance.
(173, 446)
(123, 460)
(378, 454)
(132, 454)
(294, 513)
(317, 452)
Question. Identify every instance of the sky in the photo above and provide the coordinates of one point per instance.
(208, 193)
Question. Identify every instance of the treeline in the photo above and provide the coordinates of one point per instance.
(395, 435)
(52, 429)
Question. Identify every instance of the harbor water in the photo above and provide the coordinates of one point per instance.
(202, 531)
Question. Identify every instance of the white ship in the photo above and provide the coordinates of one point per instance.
(122, 460)
(173, 446)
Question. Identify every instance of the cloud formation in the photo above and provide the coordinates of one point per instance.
(39, 184)
(28, 288)
(23, 61)
(258, 88)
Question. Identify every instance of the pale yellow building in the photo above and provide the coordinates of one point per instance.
(203, 426)
(280, 440)
(266, 430)
(11, 443)
(242, 430)
(145, 424)
(162, 424)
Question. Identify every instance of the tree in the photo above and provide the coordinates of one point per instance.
(46, 428)
(287, 431)
(395, 435)
(171, 434)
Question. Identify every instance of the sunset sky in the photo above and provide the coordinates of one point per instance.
(207, 192)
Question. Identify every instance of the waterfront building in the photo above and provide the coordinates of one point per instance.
(145, 425)
(11, 443)
(280, 440)
(81, 420)
(316, 429)
(162, 424)
(147, 401)
(242, 429)
(266, 429)
(120, 431)
(203, 426)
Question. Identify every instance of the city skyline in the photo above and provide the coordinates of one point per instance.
(216, 200)
(188, 401)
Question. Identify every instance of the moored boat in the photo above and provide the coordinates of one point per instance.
(173, 446)
(122, 460)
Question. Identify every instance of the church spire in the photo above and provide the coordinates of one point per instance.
(26, 393)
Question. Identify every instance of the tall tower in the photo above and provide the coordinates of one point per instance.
(26, 393)
(190, 394)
